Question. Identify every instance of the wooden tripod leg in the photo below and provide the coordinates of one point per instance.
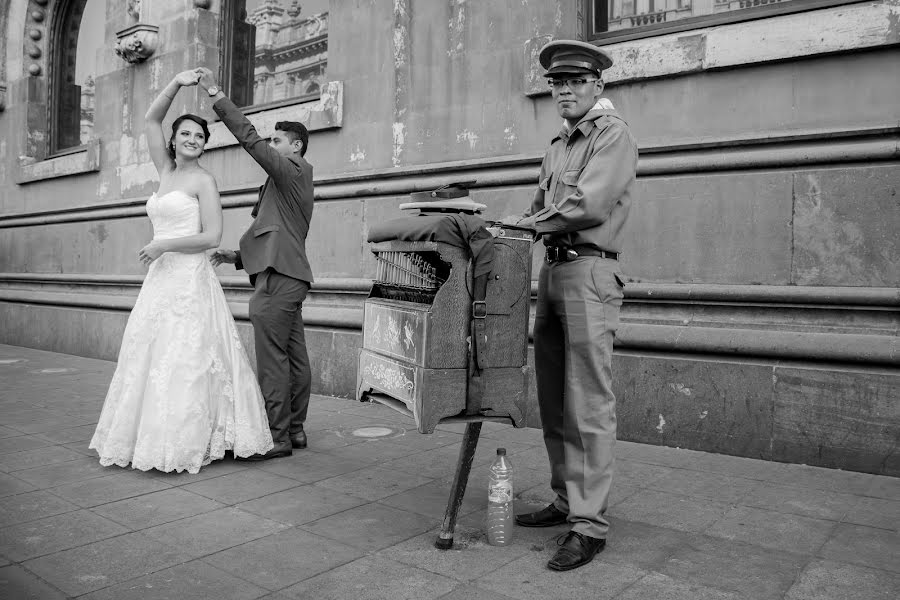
(458, 490)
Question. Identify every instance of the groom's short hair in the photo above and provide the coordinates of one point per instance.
(296, 131)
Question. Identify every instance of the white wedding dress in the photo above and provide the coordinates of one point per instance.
(183, 392)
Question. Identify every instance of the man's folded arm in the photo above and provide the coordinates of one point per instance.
(600, 185)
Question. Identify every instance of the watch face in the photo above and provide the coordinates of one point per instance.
(213, 90)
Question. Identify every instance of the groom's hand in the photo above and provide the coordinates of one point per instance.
(223, 256)
(207, 79)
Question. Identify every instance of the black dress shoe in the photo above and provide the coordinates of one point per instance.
(546, 517)
(576, 550)
(298, 440)
(280, 449)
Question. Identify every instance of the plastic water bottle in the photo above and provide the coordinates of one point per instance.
(500, 501)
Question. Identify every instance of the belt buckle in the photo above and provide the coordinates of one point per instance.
(552, 254)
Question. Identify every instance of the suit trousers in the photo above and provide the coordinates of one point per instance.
(575, 322)
(282, 362)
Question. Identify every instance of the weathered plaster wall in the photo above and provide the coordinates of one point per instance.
(764, 310)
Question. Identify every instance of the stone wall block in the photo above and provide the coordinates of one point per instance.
(758, 100)
(726, 228)
(333, 356)
(843, 233)
(89, 333)
(716, 406)
(342, 365)
(99, 246)
(335, 221)
(840, 418)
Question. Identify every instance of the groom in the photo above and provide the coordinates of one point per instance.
(273, 252)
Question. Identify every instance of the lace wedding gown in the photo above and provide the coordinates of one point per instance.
(183, 392)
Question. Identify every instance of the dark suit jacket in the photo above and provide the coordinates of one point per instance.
(281, 217)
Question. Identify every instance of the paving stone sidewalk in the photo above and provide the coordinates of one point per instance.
(356, 517)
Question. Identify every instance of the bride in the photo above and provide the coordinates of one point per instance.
(183, 392)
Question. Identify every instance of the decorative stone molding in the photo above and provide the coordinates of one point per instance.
(325, 113)
(134, 9)
(37, 14)
(137, 43)
(86, 160)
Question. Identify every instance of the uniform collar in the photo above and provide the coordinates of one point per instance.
(602, 106)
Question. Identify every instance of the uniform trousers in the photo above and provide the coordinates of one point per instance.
(282, 362)
(575, 322)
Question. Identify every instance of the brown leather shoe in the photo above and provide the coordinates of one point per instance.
(546, 517)
(280, 449)
(575, 551)
(298, 439)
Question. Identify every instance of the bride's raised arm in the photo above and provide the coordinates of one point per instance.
(156, 138)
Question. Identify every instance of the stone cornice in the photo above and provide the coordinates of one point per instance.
(813, 148)
(338, 304)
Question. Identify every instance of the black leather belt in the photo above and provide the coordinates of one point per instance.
(562, 254)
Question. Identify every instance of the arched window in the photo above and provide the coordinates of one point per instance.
(76, 38)
(265, 40)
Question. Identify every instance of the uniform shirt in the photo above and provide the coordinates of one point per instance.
(586, 183)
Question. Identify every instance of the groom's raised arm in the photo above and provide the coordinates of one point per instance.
(280, 168)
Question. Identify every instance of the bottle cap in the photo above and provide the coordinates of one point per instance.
(501, 451)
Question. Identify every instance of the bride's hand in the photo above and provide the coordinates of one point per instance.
(150, 252)
(223, 256)
(187, 78)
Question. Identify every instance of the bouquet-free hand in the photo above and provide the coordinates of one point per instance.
(187, 78)
(150, 252)
(223, 256)
(206, 77)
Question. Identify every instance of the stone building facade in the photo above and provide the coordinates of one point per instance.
(763, 300)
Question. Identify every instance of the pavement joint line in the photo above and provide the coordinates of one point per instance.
(59, 550)
(761, 480)
(733, 505)
(42, 580)
(62, 462)
(802, 570)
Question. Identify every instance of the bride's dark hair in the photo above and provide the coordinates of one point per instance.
(186, 117)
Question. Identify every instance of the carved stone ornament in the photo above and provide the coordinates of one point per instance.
(134, 9)
(137, 43)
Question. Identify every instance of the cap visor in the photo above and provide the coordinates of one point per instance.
(561, 70)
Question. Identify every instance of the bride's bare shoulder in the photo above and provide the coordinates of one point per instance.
(204, 182)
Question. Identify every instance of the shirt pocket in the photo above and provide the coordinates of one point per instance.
(265, 229)
(568, 183)
(570, 178)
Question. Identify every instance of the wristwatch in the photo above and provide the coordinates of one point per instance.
(213, 90)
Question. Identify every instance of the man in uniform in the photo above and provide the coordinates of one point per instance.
(580, 209)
